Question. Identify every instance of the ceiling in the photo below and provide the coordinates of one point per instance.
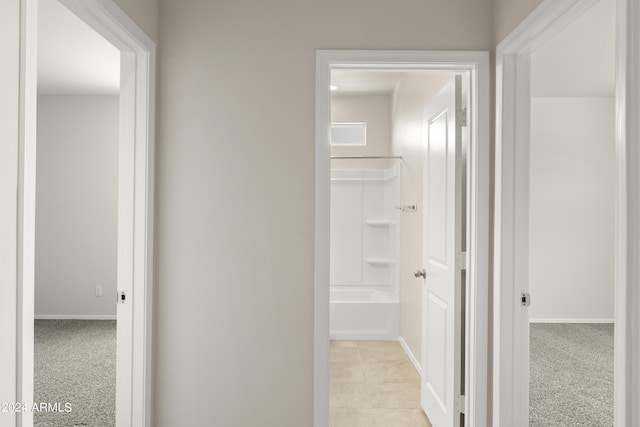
(72, 58)
(580, 60)
(364, 82)
(369, 82)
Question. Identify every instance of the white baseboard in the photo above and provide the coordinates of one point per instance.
(363, 336)
(75, 317)
(411, 356)
(571, 321)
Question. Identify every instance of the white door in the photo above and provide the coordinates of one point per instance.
(441, 315)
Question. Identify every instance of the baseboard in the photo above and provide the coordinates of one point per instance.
(411, 356)
(75, 317)
(363, 336)
(571, 320)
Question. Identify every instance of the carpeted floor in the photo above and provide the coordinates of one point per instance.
(75, 366)
(571, 375)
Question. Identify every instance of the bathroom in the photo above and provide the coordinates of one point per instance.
(376, 243)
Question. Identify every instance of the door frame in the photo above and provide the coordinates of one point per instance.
(511, 324)
(477, 64)
(135, 201)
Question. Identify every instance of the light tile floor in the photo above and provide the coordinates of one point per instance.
(373, 384)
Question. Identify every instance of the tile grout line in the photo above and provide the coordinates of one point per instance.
(368, 408)
(367, 385)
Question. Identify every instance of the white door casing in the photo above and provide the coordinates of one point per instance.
(135, 205)
(510, 354)
(441, 306)
(477, 65)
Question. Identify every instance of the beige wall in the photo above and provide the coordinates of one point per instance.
(9, 52)
(235, 189)
(235, 215)
(410, 99)
(571, 212)
(375, 111)
(76, 205)
(235, 192)
(145, 13)
(509, 13)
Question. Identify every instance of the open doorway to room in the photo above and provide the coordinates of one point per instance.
(80, 146)
(377, 214)
(571, 223)
(76, 226)
(377, 281)
(514, 194)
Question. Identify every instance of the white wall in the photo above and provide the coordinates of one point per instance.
(9, 52)
(375, 111)
(572, 208)
(76, 206)
(355, 201)
(410, 99)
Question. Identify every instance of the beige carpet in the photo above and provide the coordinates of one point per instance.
(75, 373)
(571, 375)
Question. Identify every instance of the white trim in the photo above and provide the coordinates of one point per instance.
(363, 336)
(627, 231)
(75, 317)
(321, 270)
(410, 355)
(549, 18)
(26, 207)
(477, 63)
(571, 321)
(510, 355)
(135, 198)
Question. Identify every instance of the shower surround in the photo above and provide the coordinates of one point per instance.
(365, 249)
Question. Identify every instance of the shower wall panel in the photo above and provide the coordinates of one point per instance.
(364, 227)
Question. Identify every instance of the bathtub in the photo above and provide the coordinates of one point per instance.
(363, 315)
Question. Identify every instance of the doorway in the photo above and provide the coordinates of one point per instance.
(76, 221)
(513, 174)
(571, 217)
(135, 206)
(477, 67)
(376, 188)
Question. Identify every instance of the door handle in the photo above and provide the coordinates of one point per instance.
(420, 273)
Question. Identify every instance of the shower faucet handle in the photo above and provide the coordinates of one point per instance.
(420, 273)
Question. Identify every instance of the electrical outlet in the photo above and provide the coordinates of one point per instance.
(98, 291)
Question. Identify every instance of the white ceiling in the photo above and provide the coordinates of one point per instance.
(360, 82)
(72, 58)
(580, 60)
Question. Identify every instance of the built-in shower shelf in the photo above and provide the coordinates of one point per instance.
(380, 261)
(378, 222)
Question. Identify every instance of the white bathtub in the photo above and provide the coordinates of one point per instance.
(364, 315)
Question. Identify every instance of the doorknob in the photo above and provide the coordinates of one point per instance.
(420, 273)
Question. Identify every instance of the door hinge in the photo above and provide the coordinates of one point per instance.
(462, 260)
(122, 297)
(461, 404)
(525, 299)
(462, 117)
